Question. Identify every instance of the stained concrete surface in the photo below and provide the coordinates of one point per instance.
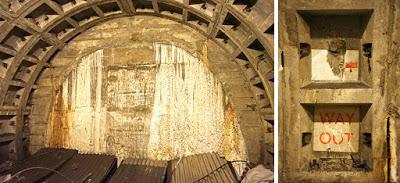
(128, 50)
(368, 27)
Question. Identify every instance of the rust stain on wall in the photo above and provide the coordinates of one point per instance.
(57, 133)
(165, 110)
(233, 144)
(205, 55)
(75, 118)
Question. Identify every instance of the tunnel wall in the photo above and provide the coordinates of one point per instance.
(128, 43)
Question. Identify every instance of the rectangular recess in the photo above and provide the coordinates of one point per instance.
(143, 6)
(336, 128)
(336, 23)
(24, 71)
(270, 30)
(247, 3)
(14, 6)
(324, 121)
(41, 15)
(85, 15)
(335, 57)
(110, 8)
(5, 62)
(197, 20)
(205, 6)
(1, 21)
(231, 20)
(13, 95)
(69, 4)
(62, 2)
(334, 66)
(169, 8)
(61, 29)
(221, 35)
(16, 38)
(256, 45)
(40, 49)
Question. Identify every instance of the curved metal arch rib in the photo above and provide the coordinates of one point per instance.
(22, 18)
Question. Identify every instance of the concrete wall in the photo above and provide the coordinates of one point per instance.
(303, 95)
(129, 57)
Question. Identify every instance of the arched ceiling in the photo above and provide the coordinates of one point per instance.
(34, 30)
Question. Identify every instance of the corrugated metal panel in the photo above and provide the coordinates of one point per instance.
(48, 158)
(141, 171)
(207, 167)
(91, 168)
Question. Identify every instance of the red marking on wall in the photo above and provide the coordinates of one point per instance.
(335, 119)
(321, 139)
(351, 65)
(326, 138)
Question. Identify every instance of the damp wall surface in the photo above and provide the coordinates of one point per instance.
(129, 56)
(160, 111)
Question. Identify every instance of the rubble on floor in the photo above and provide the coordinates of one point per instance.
(259, 174)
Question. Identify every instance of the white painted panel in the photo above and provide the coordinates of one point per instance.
(336, 128)
(324, 64)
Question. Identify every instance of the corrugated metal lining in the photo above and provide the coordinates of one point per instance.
(207, 167)
(140, 170)
(96, 168)
(91, 168)
(51, 158)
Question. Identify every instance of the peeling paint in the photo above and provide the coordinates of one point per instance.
(326, 66)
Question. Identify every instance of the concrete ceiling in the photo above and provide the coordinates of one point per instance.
(32, 31)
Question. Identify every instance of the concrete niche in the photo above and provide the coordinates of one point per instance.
(335, 53)
(336, 129)
(336, 136)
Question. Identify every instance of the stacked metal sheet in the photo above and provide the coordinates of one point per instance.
(141, 171)
(39, 165)
(207, 167)
(91, 168)
(62, 165)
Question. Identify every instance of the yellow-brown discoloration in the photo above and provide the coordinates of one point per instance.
(57, 132)
(233, 146)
